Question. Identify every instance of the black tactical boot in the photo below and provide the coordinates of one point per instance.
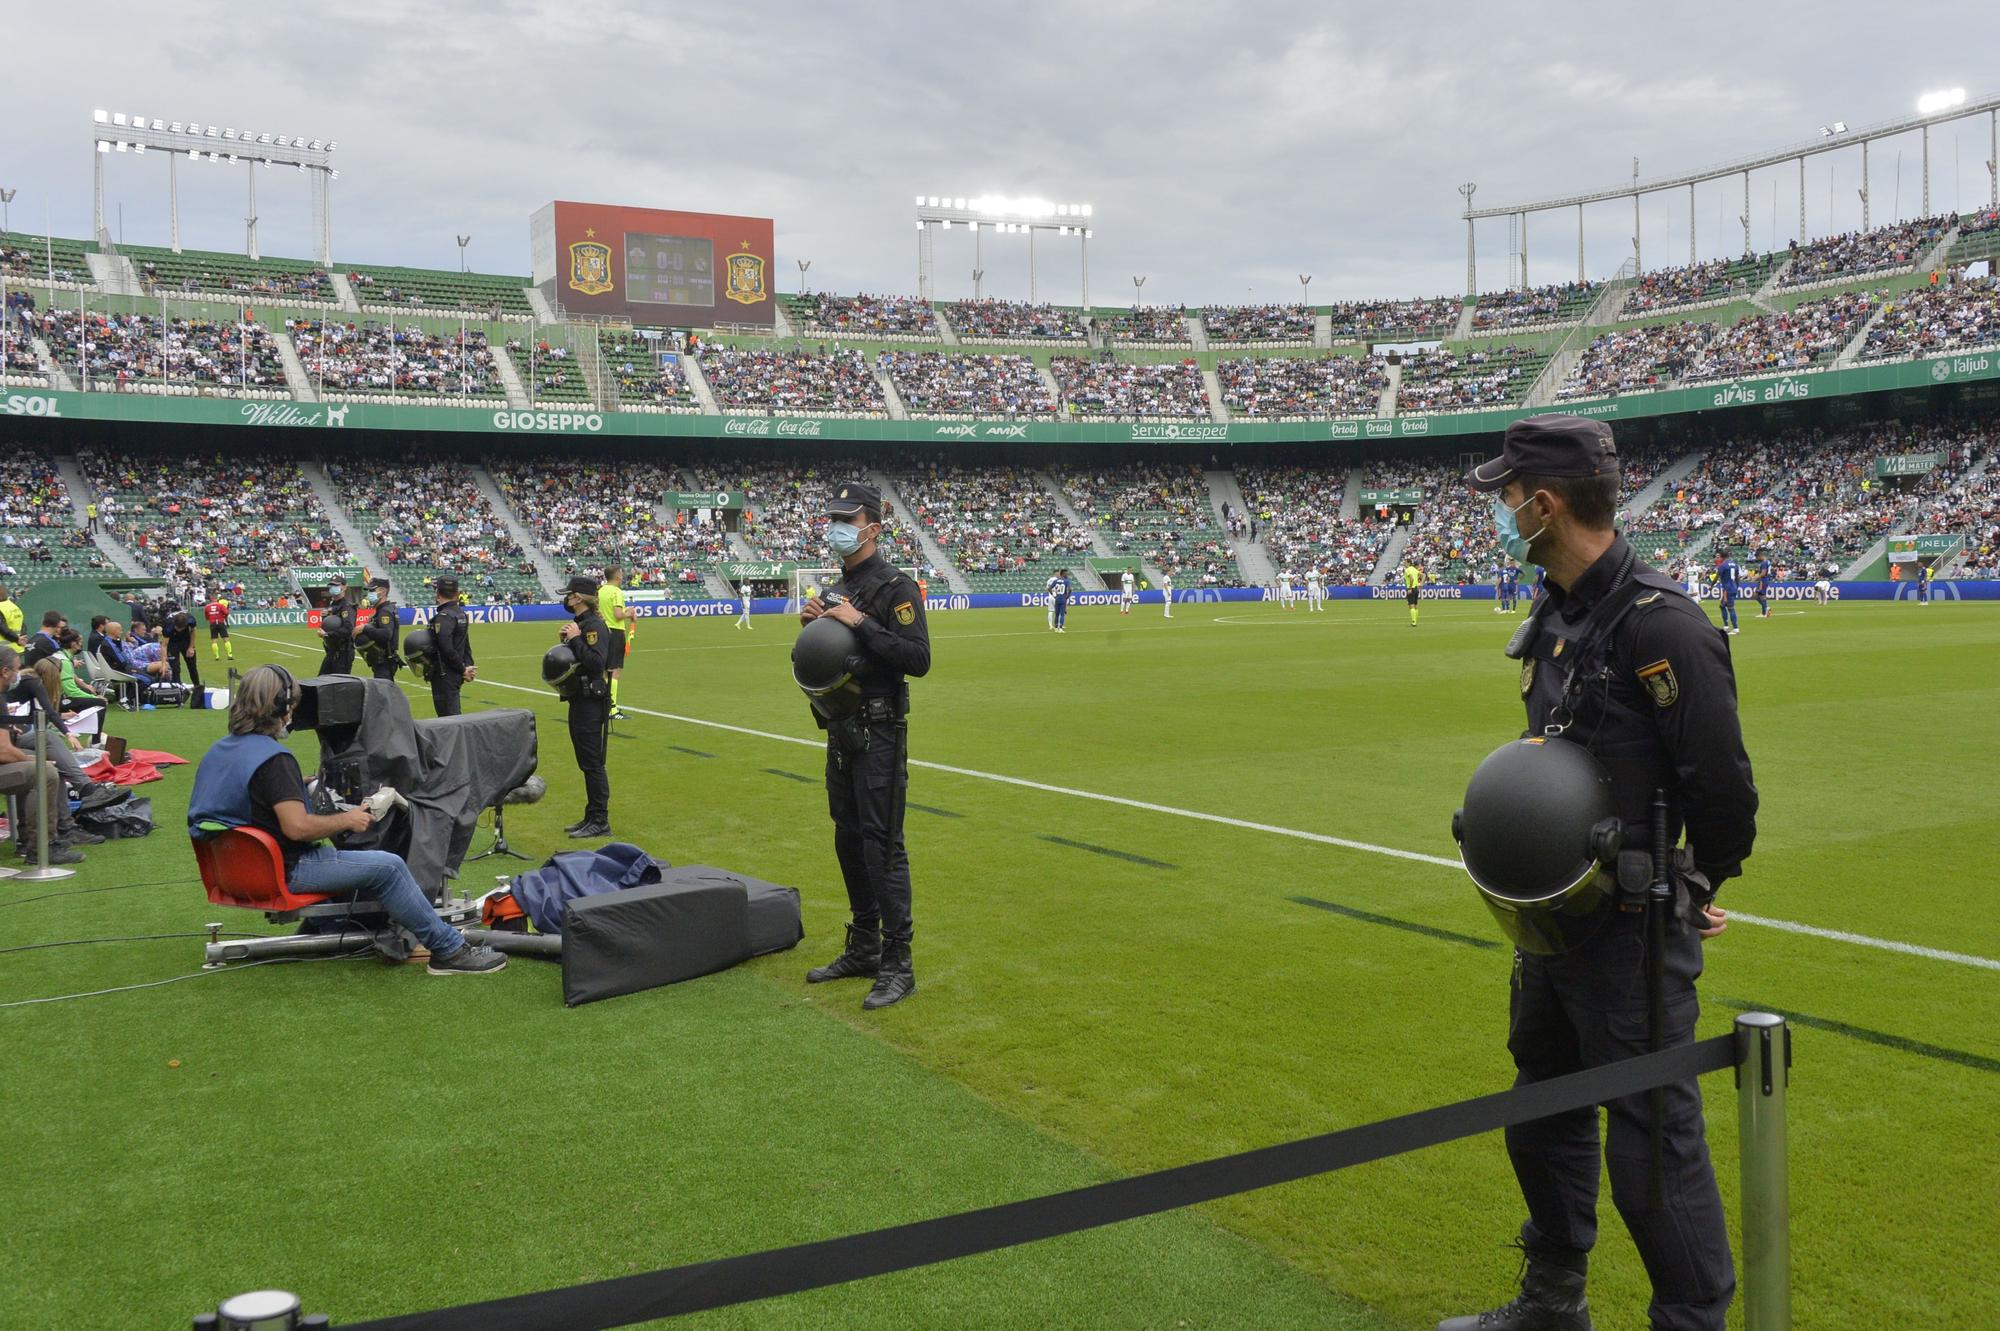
(1551, 1299)
(860, 958)
(897, 980)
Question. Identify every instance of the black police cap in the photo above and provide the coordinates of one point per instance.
(582, 586)
(851, 498)
(446, 586)
(378, 584)
(1552, 444)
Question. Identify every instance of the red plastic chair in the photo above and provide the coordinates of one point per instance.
(242, 866)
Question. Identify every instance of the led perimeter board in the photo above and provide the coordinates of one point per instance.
(653, 265)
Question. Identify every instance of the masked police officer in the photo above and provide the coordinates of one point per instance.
(336, 629)
(381, 637)
(588, 692)
(1617, 658)
(867, 772)
(451, 648)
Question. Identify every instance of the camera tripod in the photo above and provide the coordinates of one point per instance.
(499, 846)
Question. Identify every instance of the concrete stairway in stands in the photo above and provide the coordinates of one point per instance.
(1650, 493)
(691, 366)
(296, 377)
(1098, 545)
(510, 378)
(1253, 561)
(1385, 405)
(1197, 332)
(897, 410)
(80, 492)
(945, 330)
(1392, 557)
(359, 546)
(934, 554)
(58, 376)
(1216, 410)
(343, 291)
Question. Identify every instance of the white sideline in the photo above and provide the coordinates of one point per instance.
(1736, 917)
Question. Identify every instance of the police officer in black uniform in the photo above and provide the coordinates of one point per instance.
(177, 643)
(867, 754)
(1617, 658)
(382, 636)
(451, 666)
(588, 693)
(336, 628)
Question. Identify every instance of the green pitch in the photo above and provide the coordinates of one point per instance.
(1103, 988)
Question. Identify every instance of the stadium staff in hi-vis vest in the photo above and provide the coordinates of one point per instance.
(1617, 659)
(867, 747)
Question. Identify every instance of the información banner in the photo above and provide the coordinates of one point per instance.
(568, 420)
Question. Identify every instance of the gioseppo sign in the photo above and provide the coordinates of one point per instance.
(559, 421)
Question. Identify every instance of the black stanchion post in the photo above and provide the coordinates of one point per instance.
(1659, 900)
(1763, 1067)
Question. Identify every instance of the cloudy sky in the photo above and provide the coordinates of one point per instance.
(1227, 148)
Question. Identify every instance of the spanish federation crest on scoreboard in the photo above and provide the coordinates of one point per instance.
(745, 278)
(590, 267)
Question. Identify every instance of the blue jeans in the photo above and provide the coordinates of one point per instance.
(376, 875)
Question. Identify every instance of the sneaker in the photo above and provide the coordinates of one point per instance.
(619, 716)
(76, 836)
(590, 831)
(101, 795)
(571, 827)
(471, 959)
(58, 854)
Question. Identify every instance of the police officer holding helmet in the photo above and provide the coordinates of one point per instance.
(588, 692)
(867, 741)
(336, 629)
(380, 637)
(1617, 660)
(449, 648)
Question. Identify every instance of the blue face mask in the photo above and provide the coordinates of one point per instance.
(1509, 530)
(843, 538)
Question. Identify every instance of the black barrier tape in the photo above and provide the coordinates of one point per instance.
(762, 1275)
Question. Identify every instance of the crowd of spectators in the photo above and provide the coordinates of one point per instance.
(1926, 321)
(370, 359)
(932, 384)
(1149, 325)
(135, 351)
(1636, 360)
(1014, 321)
(1257, 324)
(426, 516)
(991, 520)
(297, 284)
(1690, 284)
(18, 363)
(584, 516)
(784, 508)
(1858, 253)
(38, 531)
(866, 316)
(1376, 320)
(1441, 380)
(1295, 512)
(1301, 388)
(1806, 337)
(836, 382)
(1558, 302)
(641, 379)
(1160, 513)
(1104, 387)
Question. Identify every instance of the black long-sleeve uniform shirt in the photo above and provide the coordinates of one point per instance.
(592, 645)
(380, 634)
(450, 638)
(895, 636)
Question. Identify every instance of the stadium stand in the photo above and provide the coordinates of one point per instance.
(933, 384)
(1146, 326)
(1952, 315)
(135, 353)
(902, 317)
(1967, 508)
(1635, 360)
(1161, 514)
(1112, 389)
(377, 362)
(36, 260)
(1015, 322)
(1394, 320)
(784, 509)
(1297, 511)
(586, 515)
(1558, 303)
(428, 517)
(203, 522)
(1442, 380)
(1258, 325)
(1978, 236)
(1807, 337)
(548, 369)
(632, 365)
(796, 382)
(1296, 388)
(429, 291)
(202, 272)
(18, 363)
(39, 538)
(1689, 285)
(1860, 253)
(1001, 529)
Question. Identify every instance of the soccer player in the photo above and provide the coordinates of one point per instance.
(1413, 581)
(618, 617)
(1694, 578)
(1128, 592)
(1727, 574)
(216, 612)
(1315, 588)
(743, 590)
(1764, 577)
(1059, 590)
(1285, 588)
(1823, 591)
(1924, 574)
(1167, 592)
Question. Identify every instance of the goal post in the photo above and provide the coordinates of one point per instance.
(807, 581)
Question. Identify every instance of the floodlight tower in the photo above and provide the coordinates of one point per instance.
(1471, 265)
(1006, 216)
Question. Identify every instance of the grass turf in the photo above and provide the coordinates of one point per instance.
(381, 1141)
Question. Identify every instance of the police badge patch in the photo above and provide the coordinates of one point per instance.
(1660, 683)
(591, 637)
(1527, 676)
(590, 267)
(906, 614)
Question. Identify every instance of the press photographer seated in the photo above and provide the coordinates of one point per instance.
(250, 779)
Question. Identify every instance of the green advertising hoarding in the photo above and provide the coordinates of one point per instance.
(545, 422)
(1907, 464)
(1903, 549)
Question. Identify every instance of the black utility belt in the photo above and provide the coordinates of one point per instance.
(880, 707)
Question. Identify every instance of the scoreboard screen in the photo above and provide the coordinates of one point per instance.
(654, 266)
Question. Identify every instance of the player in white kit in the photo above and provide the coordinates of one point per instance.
(1315, 589)
(1167, 593)
(743, 591)
(1285, 588)
(1128, 592)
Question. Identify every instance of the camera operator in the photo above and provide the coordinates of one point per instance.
(588, 694)
(336, 629)
(248, 778)
(451, 666)
(379, 639)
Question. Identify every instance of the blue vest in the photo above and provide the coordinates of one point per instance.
(222, 783)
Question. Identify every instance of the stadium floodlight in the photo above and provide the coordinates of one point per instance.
(175, 127)
(103, 146)
(920, 201)
(117, 117)
(1942, 100)
(331, 144)
(101, 117)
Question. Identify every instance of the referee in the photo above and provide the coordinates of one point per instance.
(618, 618)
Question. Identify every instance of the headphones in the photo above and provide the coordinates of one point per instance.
(283, 703)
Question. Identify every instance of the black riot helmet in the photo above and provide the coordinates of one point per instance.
(1538, 825)
(822, 666)
(558, 664)
(418, 644)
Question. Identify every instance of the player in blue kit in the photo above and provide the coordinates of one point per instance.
(1764, 579)
(1059, 588)
(1729, 575)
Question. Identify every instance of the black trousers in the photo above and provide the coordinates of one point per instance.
(444, 691)
(338, 659)
(179, 655)
(1583, 1009)
(589, 724)
(387, 670)
(867, 782)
